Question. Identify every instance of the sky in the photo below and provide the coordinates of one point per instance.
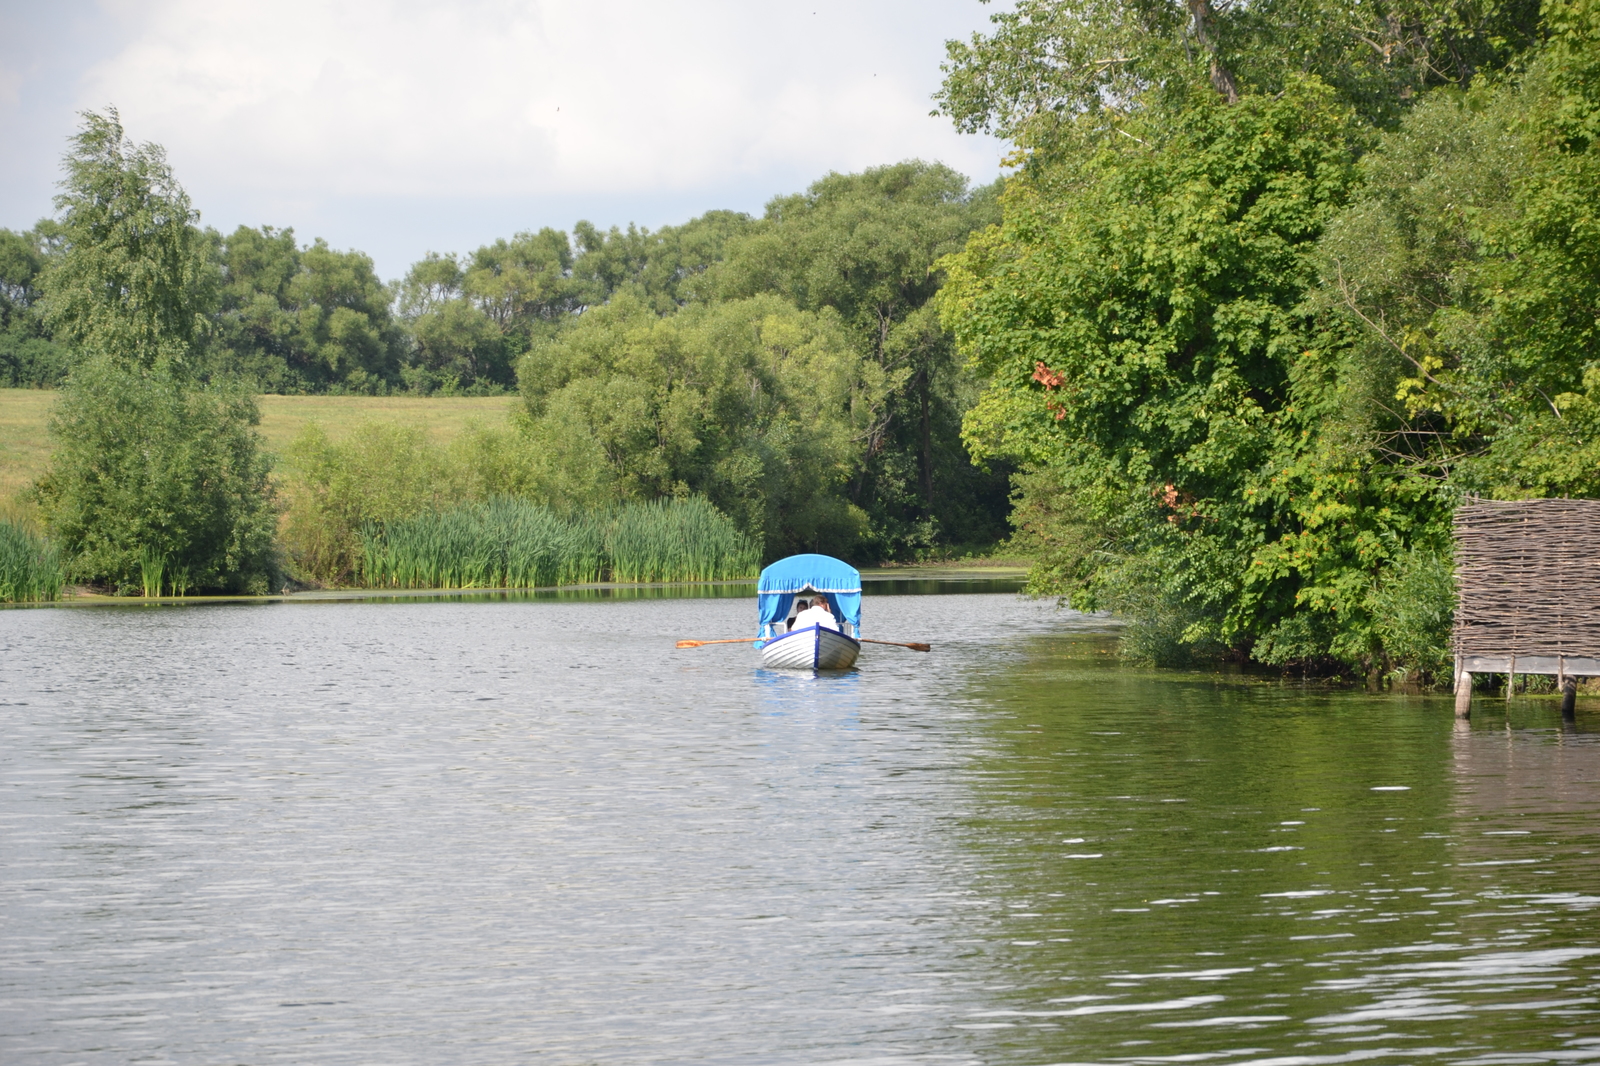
(399, 127)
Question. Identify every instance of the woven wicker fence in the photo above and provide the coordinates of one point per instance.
(1528, 579)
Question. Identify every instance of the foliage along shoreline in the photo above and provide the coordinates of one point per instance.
(785, 388)
(1272, 292)
(789, 367)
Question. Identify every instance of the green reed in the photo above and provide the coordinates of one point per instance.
(152, 569)
(677, 540)
(513, 544)
(30, 566)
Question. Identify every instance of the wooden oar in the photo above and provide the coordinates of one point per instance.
(751, 640)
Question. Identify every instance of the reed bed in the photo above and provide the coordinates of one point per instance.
(30, 566)
(513, 544)
(677, 540)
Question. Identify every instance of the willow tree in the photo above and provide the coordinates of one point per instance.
(866, 246)
(156, 479)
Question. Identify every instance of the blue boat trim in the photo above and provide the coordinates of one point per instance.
(816, 649)
(807, 629)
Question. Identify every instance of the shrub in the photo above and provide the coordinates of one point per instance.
(382, 473)
(1414, 608)
(153, 472)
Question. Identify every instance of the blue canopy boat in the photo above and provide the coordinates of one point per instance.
(813, 577)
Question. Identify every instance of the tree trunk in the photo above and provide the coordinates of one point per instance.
(1204, 26)
(927, 446)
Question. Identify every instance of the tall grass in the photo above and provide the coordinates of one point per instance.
(513, 544)
(677, 540)
(152, 568)
(30, 566)
(157, 572)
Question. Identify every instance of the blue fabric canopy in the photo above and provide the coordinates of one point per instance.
(839, 583)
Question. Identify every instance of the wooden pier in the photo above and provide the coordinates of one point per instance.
(1527, 593)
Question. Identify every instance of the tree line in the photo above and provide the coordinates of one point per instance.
(790, 369)
(298, 319)
(1275, 287)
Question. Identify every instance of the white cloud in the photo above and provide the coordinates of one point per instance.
(312, 99)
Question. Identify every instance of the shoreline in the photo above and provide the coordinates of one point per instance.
(981, 570)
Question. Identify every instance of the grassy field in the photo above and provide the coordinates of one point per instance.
(25, 445)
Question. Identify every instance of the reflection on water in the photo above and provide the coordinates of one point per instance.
(520, 828)
(1174, 869)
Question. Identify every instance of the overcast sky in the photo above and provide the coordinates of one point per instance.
(409, 126)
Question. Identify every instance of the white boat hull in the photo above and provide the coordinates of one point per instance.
(811, 648)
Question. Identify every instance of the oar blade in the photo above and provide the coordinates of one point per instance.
(899, 644)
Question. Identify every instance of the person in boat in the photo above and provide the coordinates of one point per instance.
(817, 614)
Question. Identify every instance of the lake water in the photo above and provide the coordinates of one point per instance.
(529, 830)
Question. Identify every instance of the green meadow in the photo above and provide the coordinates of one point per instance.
(25, 438)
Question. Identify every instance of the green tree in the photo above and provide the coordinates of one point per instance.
(29, 357)
(1457, 294)
(130, 280)
(1137, 316)
(524, 283)
(865, 245)
(153, 471)
(303, 319)
(1047, 62)
(1246, 376)
(665, 268)
(470, 318)
(751, 403)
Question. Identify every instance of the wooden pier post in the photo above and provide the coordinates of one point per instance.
(1463, 694)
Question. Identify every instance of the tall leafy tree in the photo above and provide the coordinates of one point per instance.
(155, 479)
(1046, 62)
(130, 281)
(1248, 375)
(866, 246)
(153, 470)
(751, 403)
(1137, 316)
(525, 282)
(665, 268)
(471, 317)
